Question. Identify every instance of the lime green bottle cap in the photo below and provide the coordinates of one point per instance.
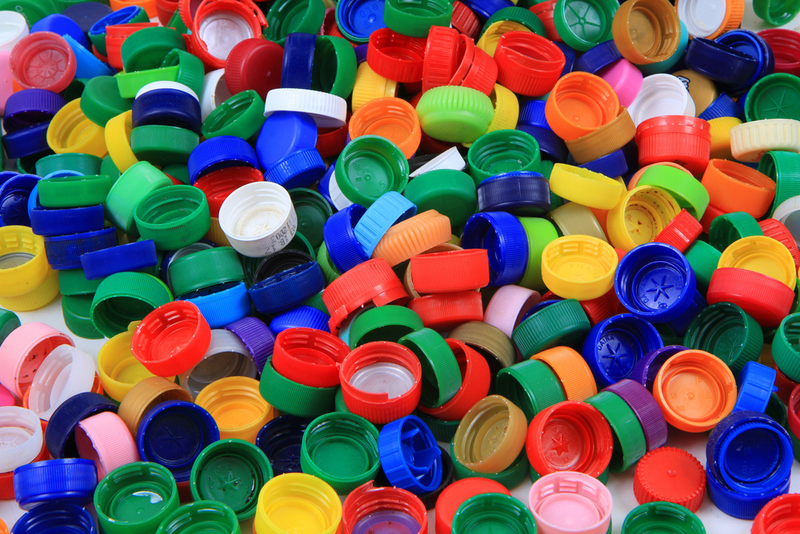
(455, 114)
(231, 471)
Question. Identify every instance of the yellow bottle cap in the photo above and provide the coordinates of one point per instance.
(297, 503)
(70, 131)
(237, 406)
(490, 38)
(35, 299)
(118, 141)
(591, 189)
(506, 110)
(579, 267)
(763, 255)
(640, 216)
(721, 136)
(576, 219)
(369, 85)
(23, 264)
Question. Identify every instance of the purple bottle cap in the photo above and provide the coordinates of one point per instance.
(387, 522)
(646, 369)
(646, 409)
(256, 336)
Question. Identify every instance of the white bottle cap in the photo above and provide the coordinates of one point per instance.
(215, 92)
(340, 201)
(226, 356)
(702, 17)
(661, 94)
(222, 30)
(21, 437)
(13, 27)
(153, 86)
(449, 159)
(65, 372)
(327, 110)
(258, 219)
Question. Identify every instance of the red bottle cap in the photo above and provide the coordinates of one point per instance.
(781, 515)
(232, 12)
(528, 64)
(672, 475)
(381, 381)
(681, 231)
(546, 11)
(43, 60)
(569, 436)
(116, 35)
(465, 20)
(747, 289)
(601, 308)
(677, 138)
(777, 231)
(710, 214)
(482, 73)
(465, 54)
(446, 272)
(395, 56)
(217, 185)
(366, 500)
(794, 408)
(165, 9)
(444, 311)
(254, 64)
(475, 381)
(331, 141)
(441, 57)
(454, 496)
(308, 356)
(372, 281)
(784, 384)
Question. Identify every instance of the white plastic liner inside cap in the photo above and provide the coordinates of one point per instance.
(383, 377)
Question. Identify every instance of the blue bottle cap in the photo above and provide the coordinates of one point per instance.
(222, 304)
(720, 63)
(737, 504)
(298, 60)
(64, 251)
(56, 517)
(756, 383)
(63, 26)
(30, 107)
(114, 18)
(220, 153)
(750, 453)
(486, 8)
(14, 194)
(299, 169)
(300, 317)
(614, 346)
(167, 107)
(324, 185)
(283, 134)
(597, 57)
(532, 114)
(127, 257)
(504, 237)
(70, 480)
(410, 457)
(613, 164)
(550, 144)
(87, 65)
(646, 369)
(521, 193)
(569, 54)
(86, 14)
(288, 288)
(340, 238)
(390, 209)
(281, 440)
(654, 281)
(173, 434)
(27, 141)
(753, 45)
(722, 106)
(357, 19)
(59, 436)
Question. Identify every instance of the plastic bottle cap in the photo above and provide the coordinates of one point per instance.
(661, 94)
(656, 515)
(646, 31)
(12, 30)
(566, 111)
(43, 60)
(672, 475)
(492, 511)
(65, 372)
(710, 19)
(579, 267)
(762, 255)
(370, 509)
(570, 502)
(21, 429)
(237, 406)
(651, 207)
(104, 439)
(294, 499)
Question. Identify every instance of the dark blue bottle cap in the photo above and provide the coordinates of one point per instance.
(298, 61)
(221, 304)
(520, 193)
(613, 347)
(410, 457)
(300, 317)
(756, 383)
(220, 153)
(30, 107)
(720, 62)
(654, 281)
(361, 53)
(14, 194)
(550, 144)
(283, 134)
(128, 257)
(504, 237)
(52, 222)
(739, 505)
(173, 434)
(299, 169)
(486, 8)
(87, 65)
(357, 19)
(532, 114)
(753, 45)
(390, 209)
(750, 453)
(59, 436)
(340, 238)
(27, 141)
(281, 439)
(613, 164)
(324, 185)
(86, 14)
(69, 480)
(680, 324)
(114, 18)
(64, 251)
(167, 107)
(722, 106)
(256, 336)
(288, 288)
(56, 517)
(597, 57)
(62, 25)
(647, 367)
(569, 54)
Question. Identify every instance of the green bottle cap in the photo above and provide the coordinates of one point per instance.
(784, 168)
(384, 323)
(335, 66)
(179, 171)
(493, 512)
(231, 471)
(703, 258)
(242, 115)
(146, 49)
(8, 323)
(294, 398)
(201, 516)
(441, 377)
(503, 151)
(776, 12)
(415, 19)
(583, 24)
(370, 166)
(190, 68)
(82, 163)
(450, 192)
(125, 297)
(630, 443)
(173, 217)
(77, 316)
(32, 10)
(101, 100)
(728, 332)
(654, 517)
(312, 211)
(73, 282)
(531, 385)
(776, 96)
(562, 323)
(455, 114)
(163, 145)
(730, 227)
(293, 16)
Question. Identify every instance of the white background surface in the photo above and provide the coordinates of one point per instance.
(621, 486)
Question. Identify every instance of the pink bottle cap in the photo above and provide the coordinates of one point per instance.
(6, 398)
(624, 78)
(567, 502)
(6, 84)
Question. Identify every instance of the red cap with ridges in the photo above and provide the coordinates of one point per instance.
(546, 11)
(466, 270)
(677, 138)
(672, 475)
(710, 214)
(456, 493)
(465, 20)
(601, 308)
(781, 515)
(331, 141)
(747, 289)
(681, 232)
(777, 231)
(254, 64)
(443, 311)
(465, 54)
(482, 74)
(441, 57)
(528, 64)
(784, 384)
(395, 56)
(217, 185)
